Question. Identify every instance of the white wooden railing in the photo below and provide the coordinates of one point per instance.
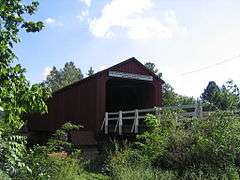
(118, 119)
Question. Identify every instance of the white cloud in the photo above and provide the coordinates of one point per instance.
(131, 18)
(53, 22)
(83, 15)
(86, 2)
(46, 72)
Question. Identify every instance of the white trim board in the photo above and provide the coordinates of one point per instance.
(130, 76)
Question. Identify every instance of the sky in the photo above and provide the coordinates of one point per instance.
(191, 42)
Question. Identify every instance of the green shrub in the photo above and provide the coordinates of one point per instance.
(211, 173)
(66, 169)
(4, 176)
(57, 160)
(68, 127)
(12, 151)
(217, 139)
(129, 163)
(189, 148)
(213, 141)
(128, 158)
(154, 142)
(50, 166)
(142, 173)
(61, 140)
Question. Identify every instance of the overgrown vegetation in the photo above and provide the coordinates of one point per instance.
(174, 147)
(182, 148)
(17, 96)
(58, 159)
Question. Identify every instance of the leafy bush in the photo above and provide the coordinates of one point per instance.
(217, 139)
(213, 141)
(55, 166)
(57, 160)
(127, 158)
(12, 151)
(211, 173)
(50, 166)
(129, 163)
(184, 148)
(68, 127)
(61, 140)
(66, 169)
(4, 176)
(142, 173)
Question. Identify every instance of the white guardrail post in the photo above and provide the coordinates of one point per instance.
(136, 121)
(196, 110)
(120, 123)
(200, 110)
(106, 123)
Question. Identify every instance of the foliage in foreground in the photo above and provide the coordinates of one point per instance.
(173, 148)
(182, 148)
(17, 96)
(59, 159)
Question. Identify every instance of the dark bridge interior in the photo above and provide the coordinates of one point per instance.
(126, 94)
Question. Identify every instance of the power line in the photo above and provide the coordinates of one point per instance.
(212, 65)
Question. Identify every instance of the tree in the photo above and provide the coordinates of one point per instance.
(53, 80)
(210, 92)
(171, 98)
(16, 94)
(152, 67)
(58, 79)
(90, 72)
(70, 73)
(224, 98)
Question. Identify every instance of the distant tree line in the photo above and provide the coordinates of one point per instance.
(65, 76)
(226, 97)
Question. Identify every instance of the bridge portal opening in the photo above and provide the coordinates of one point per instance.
(128, 94)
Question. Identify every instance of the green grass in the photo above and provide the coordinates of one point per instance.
(91, 176)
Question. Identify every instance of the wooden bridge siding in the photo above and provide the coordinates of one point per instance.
(100, 99)
(158, 95)
(79, 105)
(71, 105)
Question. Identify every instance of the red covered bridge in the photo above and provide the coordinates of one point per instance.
(126, 86)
